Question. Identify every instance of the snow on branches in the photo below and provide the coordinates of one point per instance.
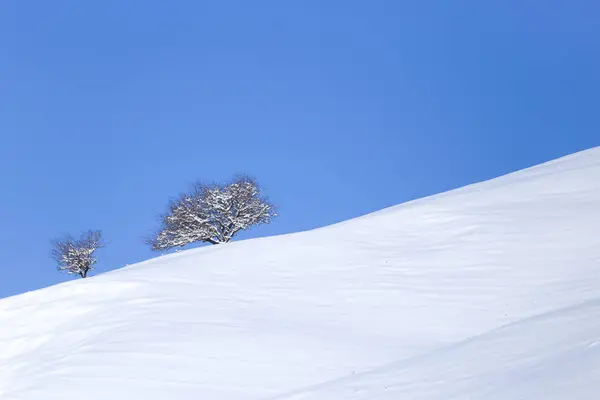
(77, 256)
(213, 214)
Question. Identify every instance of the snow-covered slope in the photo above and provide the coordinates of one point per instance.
(487, 292)
(552, 356)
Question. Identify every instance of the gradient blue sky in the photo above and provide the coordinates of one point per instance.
(108, 108)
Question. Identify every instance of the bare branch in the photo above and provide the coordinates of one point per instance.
(77, 256)
(213, 214)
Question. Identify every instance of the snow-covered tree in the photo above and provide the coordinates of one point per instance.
(213, 214)
(77, 256)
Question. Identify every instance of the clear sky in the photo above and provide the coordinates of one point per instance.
(339, 108)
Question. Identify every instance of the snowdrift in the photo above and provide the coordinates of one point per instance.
(491, 291)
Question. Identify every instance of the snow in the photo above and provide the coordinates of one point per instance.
(491, 291)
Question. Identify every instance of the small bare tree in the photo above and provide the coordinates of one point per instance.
(77, 256)
(213, 214)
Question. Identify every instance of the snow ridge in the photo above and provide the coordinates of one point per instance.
(491, 291)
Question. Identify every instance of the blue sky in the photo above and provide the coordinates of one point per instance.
(338, 108)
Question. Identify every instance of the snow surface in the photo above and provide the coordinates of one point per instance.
(491, 291)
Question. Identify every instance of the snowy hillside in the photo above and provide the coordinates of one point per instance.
(487, 292)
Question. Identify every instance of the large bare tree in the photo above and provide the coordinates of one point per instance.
(213, 214)
(76, 256)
